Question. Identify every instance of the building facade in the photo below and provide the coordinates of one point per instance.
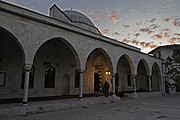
(164, 52)
(65, 54)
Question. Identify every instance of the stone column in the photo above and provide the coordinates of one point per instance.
(81, 84)
(134, 82)
(150, 86)
(135, 95)
(27, 68)
(114, 97)
(113, 85)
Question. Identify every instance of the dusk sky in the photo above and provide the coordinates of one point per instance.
(142, 23)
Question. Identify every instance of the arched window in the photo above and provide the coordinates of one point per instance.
(49, 77)
(31, 78)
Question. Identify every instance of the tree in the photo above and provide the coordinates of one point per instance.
(172, 65)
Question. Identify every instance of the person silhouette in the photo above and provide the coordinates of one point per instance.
(106, 89)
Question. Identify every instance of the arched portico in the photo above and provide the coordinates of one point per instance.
(124, 72)
(142, 77)
(98, 70)
(155, 78)
(55, 65)
(11, 65)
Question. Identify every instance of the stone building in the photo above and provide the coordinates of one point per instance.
(164, 52)
(65, 54)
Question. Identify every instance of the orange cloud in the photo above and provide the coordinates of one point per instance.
(114, 17)
(157, 37)
(139, 44)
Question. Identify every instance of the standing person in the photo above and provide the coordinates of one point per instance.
(106, 88)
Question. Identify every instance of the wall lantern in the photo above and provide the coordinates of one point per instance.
(108, 72)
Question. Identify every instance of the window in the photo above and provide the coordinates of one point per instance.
(49, 77)
(31, 78)
(159, 54)
(128, 79)
(176, 52)
(154, 54)
(77, 79)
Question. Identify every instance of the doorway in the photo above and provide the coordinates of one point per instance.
(96, 82)
(65, 85)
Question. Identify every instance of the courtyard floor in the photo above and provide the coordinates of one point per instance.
(164, 107)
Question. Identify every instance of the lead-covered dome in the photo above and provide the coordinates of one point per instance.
(76, 16)
(73, 17)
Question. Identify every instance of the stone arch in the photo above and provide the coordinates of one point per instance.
(156, 77)
(125, 72)
(142, 76)
(98, 70)
(58, 53)
(70, 46)
(12, 59)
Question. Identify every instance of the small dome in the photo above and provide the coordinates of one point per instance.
(78, 17)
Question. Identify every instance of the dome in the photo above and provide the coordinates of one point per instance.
(76, 16)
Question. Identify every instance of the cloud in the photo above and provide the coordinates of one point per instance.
(147, 45)
(117, 33)
(139, 23)
(105, 32)
(175, 21)
(141, 44)
(157, 36)
(152, 20)
(165, 30)
(174, 40)
(167, 35)
(125, 40)
(96, 18)
(146, 30)
(135, 42)
(114, 16)
(177, 34)
(136, 35)
(154, 26)
(126, 26)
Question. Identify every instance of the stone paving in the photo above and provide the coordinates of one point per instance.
(165, 107)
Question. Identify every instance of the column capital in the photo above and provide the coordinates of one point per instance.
(149, 76)
(81, 70)
(28, 67)
(113, 74)
(134, 75)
